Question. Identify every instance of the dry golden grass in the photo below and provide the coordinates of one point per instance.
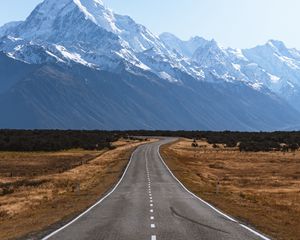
(25, 164)
(73, 180)
(261, 189)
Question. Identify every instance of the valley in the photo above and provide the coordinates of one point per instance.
(110, 130)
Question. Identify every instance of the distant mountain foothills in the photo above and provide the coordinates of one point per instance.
(74, 64)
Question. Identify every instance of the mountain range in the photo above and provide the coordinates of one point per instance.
(75, 64)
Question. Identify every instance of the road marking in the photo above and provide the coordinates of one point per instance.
(96, 204)
(206, 203)
(254, 232)
(153, 237)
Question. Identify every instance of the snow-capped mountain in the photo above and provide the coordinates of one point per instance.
(231, 65)
(80, 65)
(185, 48)
(90, 33)
(272, 66)
(283, 66)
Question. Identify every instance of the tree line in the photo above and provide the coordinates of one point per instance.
(245, 141)
(55, 140)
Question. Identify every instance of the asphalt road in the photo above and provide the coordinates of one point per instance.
(149, 203)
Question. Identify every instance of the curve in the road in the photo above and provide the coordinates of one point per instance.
(149, 202)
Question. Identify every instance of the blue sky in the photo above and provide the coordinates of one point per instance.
(235, 23)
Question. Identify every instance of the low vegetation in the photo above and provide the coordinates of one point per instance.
(253, 176)
(245, 141)
(39, 189)
(55, 140)
(258, 188)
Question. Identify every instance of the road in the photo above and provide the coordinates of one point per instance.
(149, 203)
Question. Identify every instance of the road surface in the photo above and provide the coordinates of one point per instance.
(150, 204)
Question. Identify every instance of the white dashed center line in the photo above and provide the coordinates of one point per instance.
(152, 225)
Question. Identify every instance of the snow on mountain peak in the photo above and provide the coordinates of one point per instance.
(93, 10)
(276, 44)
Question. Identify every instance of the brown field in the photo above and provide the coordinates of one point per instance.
(261, 189)
(38, 190)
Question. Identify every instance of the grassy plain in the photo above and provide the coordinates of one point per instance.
(261, 189)
(40, 189)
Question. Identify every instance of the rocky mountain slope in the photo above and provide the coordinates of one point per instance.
(76, 64)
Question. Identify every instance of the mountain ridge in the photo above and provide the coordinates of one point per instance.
(85, 67)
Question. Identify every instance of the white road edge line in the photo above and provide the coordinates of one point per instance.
(96, 204)
(206, 203)
(254, 232)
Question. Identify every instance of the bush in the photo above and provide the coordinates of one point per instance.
(55, 140)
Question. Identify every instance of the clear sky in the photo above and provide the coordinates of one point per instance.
(235, 23)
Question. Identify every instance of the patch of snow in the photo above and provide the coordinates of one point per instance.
(288, 61)
(95, 11)
(274, 78)
(256, 85)
(237, 66)
(290, 84)
(72, 56)
(167, 77)
(56, 57)
(18, 47)
(238, 53)
(14, 39)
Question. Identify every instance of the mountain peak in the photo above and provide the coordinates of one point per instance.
(276, 44)
(51, 15)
